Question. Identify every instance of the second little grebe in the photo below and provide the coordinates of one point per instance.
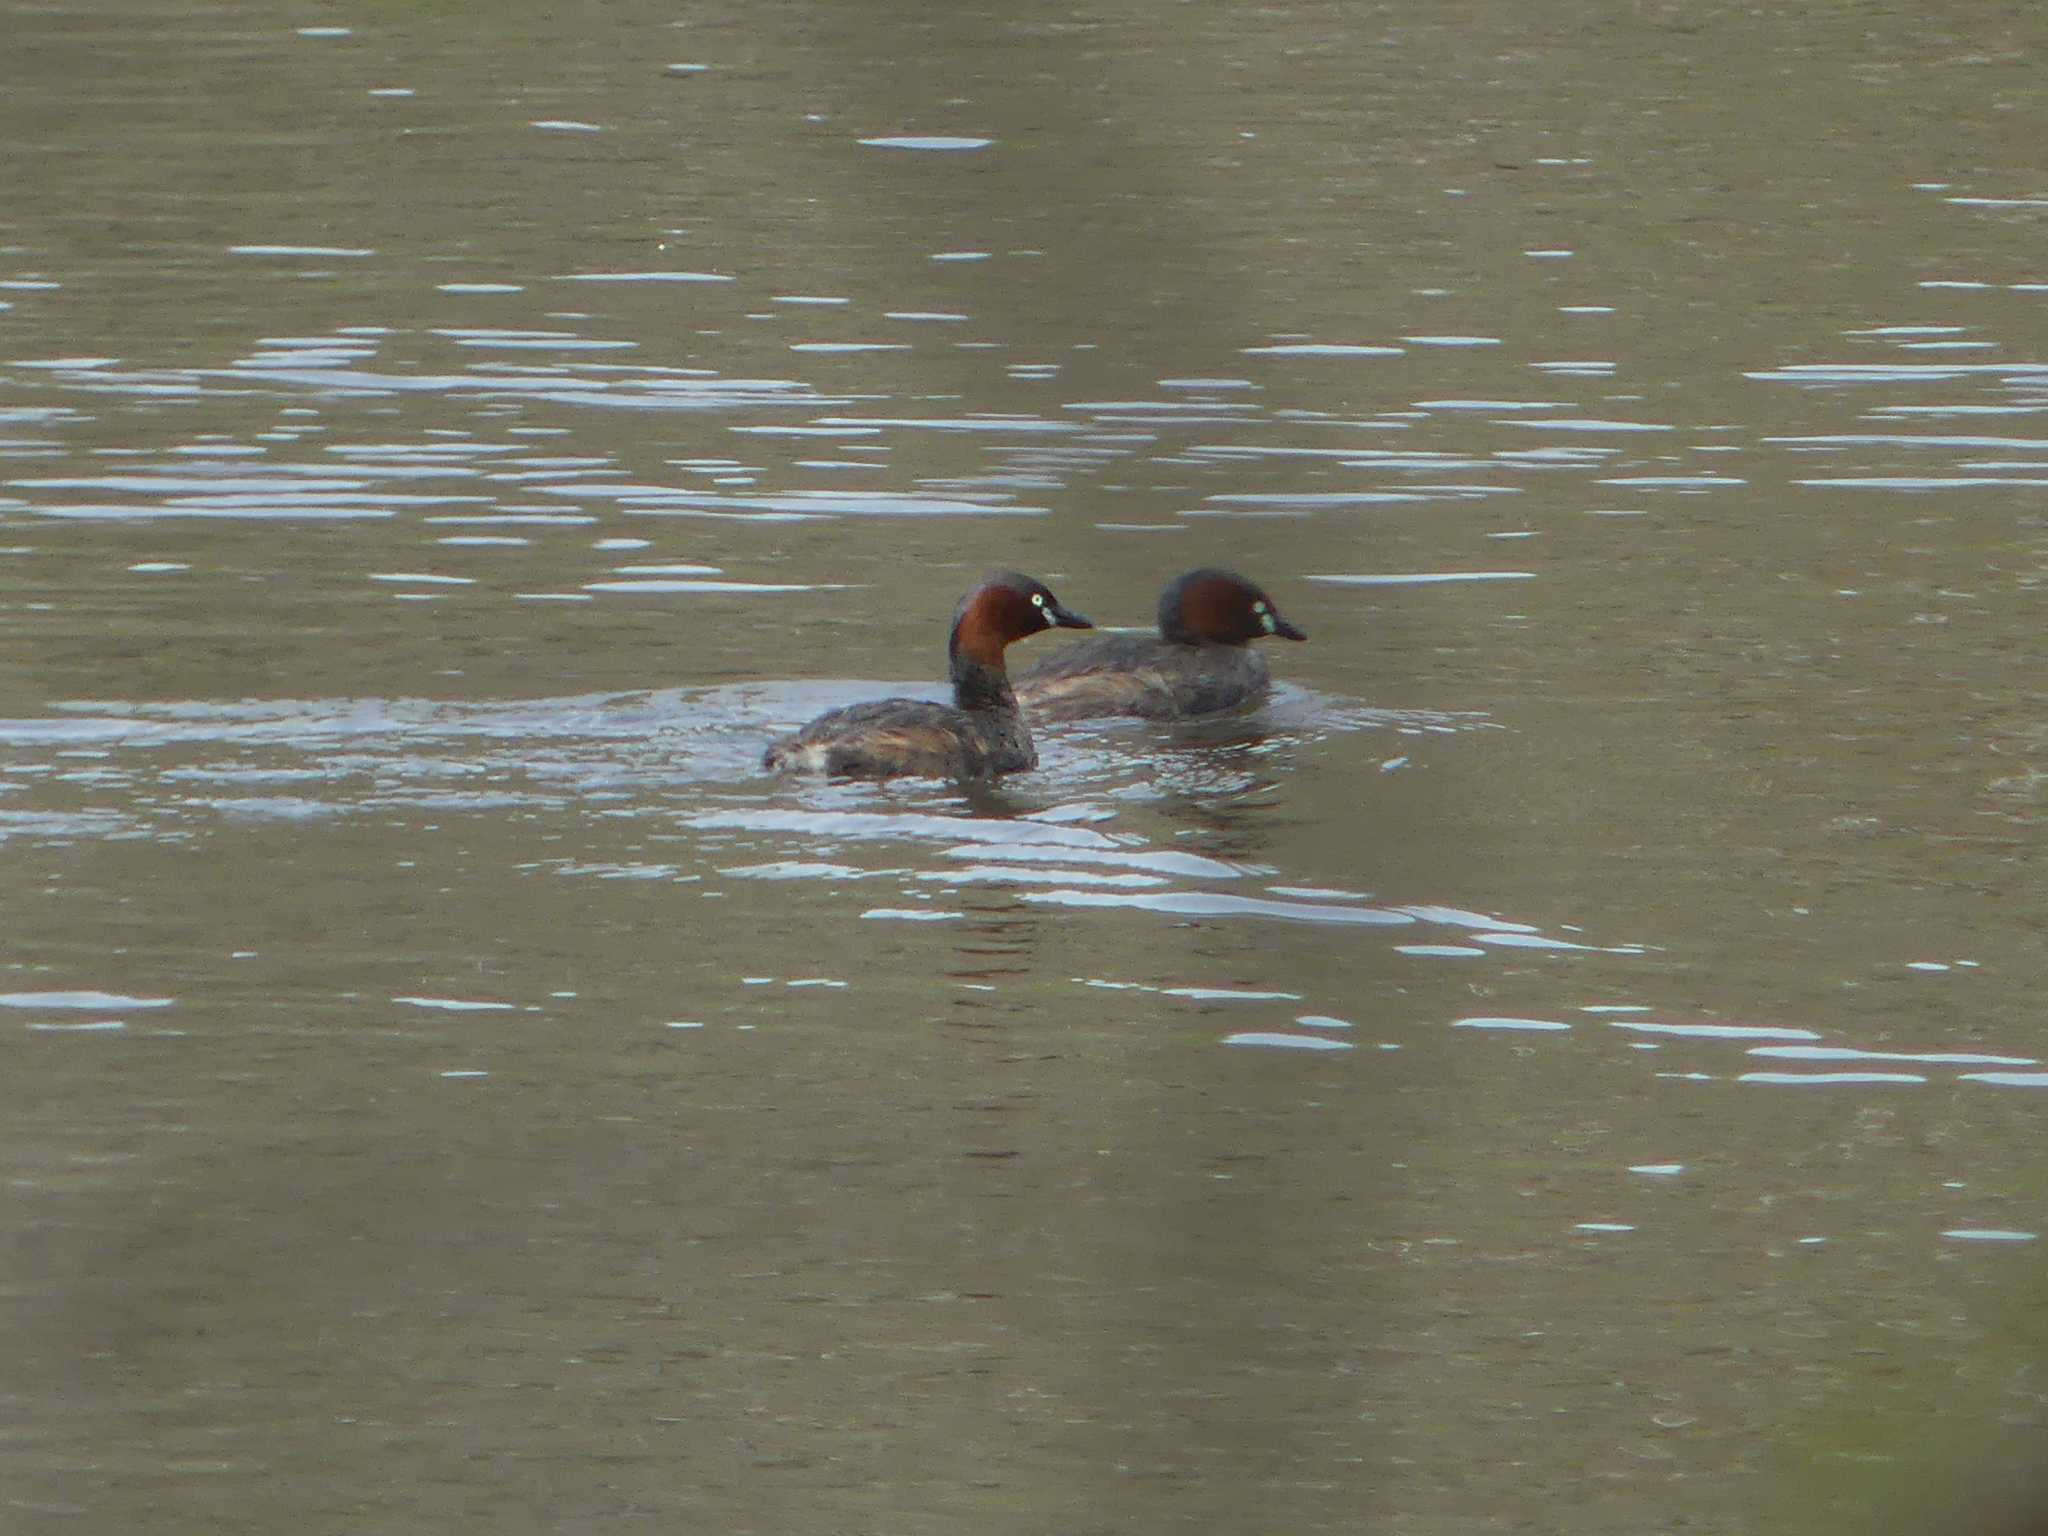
(1199, 664)
(978, 735)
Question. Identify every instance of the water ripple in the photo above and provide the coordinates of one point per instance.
(1216, 904)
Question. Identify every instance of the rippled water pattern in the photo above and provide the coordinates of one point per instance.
(1567, 1060)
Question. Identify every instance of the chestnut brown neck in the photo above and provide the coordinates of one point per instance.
(980, 636)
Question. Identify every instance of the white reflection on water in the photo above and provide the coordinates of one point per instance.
(1716, 1031)
(1002, 874)
(1924, 482)
(677, 585)
(1588, 424)
(941, 142)
(1288, 1042)
(1322, 349)
(604, 871)
(1809, 1079)
(1216, 904)
(1194, 994)
(97, 1001)
(643, 277)
(1530, 941)
(323, 251)
(801, 869)
(1158, 861)
(1927, 1058)
(1895, 373)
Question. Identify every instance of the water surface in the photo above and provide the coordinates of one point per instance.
(1569, 1058)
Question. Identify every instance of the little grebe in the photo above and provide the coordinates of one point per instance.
(980, 734)
(1200, 664)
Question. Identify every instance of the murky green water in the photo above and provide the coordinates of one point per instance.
(1571, 1062)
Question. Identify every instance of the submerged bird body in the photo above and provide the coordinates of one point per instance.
(1200, 662)
(979, 735)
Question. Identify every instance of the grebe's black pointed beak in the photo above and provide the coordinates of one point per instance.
(1065, 618)
(1287, 631)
